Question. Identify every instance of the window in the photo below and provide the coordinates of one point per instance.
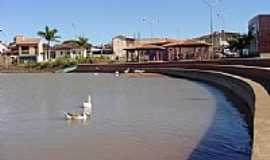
(53, 55)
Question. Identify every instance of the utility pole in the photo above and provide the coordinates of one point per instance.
(223, 24)
(75, 30)
(150, 22)
(211, 6)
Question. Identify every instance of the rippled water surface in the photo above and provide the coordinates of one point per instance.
(134, 118)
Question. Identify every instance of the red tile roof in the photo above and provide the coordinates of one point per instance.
(66, 46)
(21, 40)
(187, 43)
(162, 42)
(145, 47)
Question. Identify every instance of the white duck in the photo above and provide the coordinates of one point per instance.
(139, 71)
(127, 71)
(117, 74)
(88, 104)
(76, 116)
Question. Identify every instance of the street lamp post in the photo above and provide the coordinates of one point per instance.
(211, 19)
(223, 25)
(151, 26)
(210, 4)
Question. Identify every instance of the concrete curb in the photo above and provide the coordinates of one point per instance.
(67, 70)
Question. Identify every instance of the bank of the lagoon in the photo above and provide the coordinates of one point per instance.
(153, 118)
(51, 66)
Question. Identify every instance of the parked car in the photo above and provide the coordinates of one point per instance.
(229, 54)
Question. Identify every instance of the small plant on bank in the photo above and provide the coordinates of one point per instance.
(66, 62)
(42, 65)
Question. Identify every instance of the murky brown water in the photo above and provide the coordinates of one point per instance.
(134, 118)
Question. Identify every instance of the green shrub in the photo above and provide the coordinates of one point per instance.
(65, 62)
(44, 65)
(30, 65)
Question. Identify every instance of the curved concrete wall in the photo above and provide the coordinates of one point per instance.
(258, 74)
(252, 94)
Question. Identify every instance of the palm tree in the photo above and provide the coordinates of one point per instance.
(50, 35)
(83, 43)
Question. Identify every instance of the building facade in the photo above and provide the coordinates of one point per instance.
(69, 50)
(27, 49)
(3, 48)
(259, 27)
(189, 50)
(119, 43)
(218, 39)
(170, 51)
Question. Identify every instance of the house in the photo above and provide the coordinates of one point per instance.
(3, 48)
(189, 50)
(150, 49)
(218, 39)
(259, 27)
(170, 51)
(104, 50)
(122, 44)
(69, 50)
(145, 52)
(119, 43)
(155, 41)
(27, 49)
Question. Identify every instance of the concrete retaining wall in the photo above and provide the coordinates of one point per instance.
(252, 94)
(258, 74)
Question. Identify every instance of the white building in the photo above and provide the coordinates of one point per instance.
(119, 43)
(3, 48)
(69, 50)
(27, 49)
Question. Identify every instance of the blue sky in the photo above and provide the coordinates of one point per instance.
(100, 20)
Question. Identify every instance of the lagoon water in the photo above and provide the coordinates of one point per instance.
(157, 118)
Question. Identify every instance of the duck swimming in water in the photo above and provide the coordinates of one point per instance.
(127, 71)
(117, 73)
(87, 111)
(88, 104)
(76, 116)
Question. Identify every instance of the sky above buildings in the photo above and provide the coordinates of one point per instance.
(100, 20)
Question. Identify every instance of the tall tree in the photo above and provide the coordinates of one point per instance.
(50, 35)
(240, 43)
(83, 43)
